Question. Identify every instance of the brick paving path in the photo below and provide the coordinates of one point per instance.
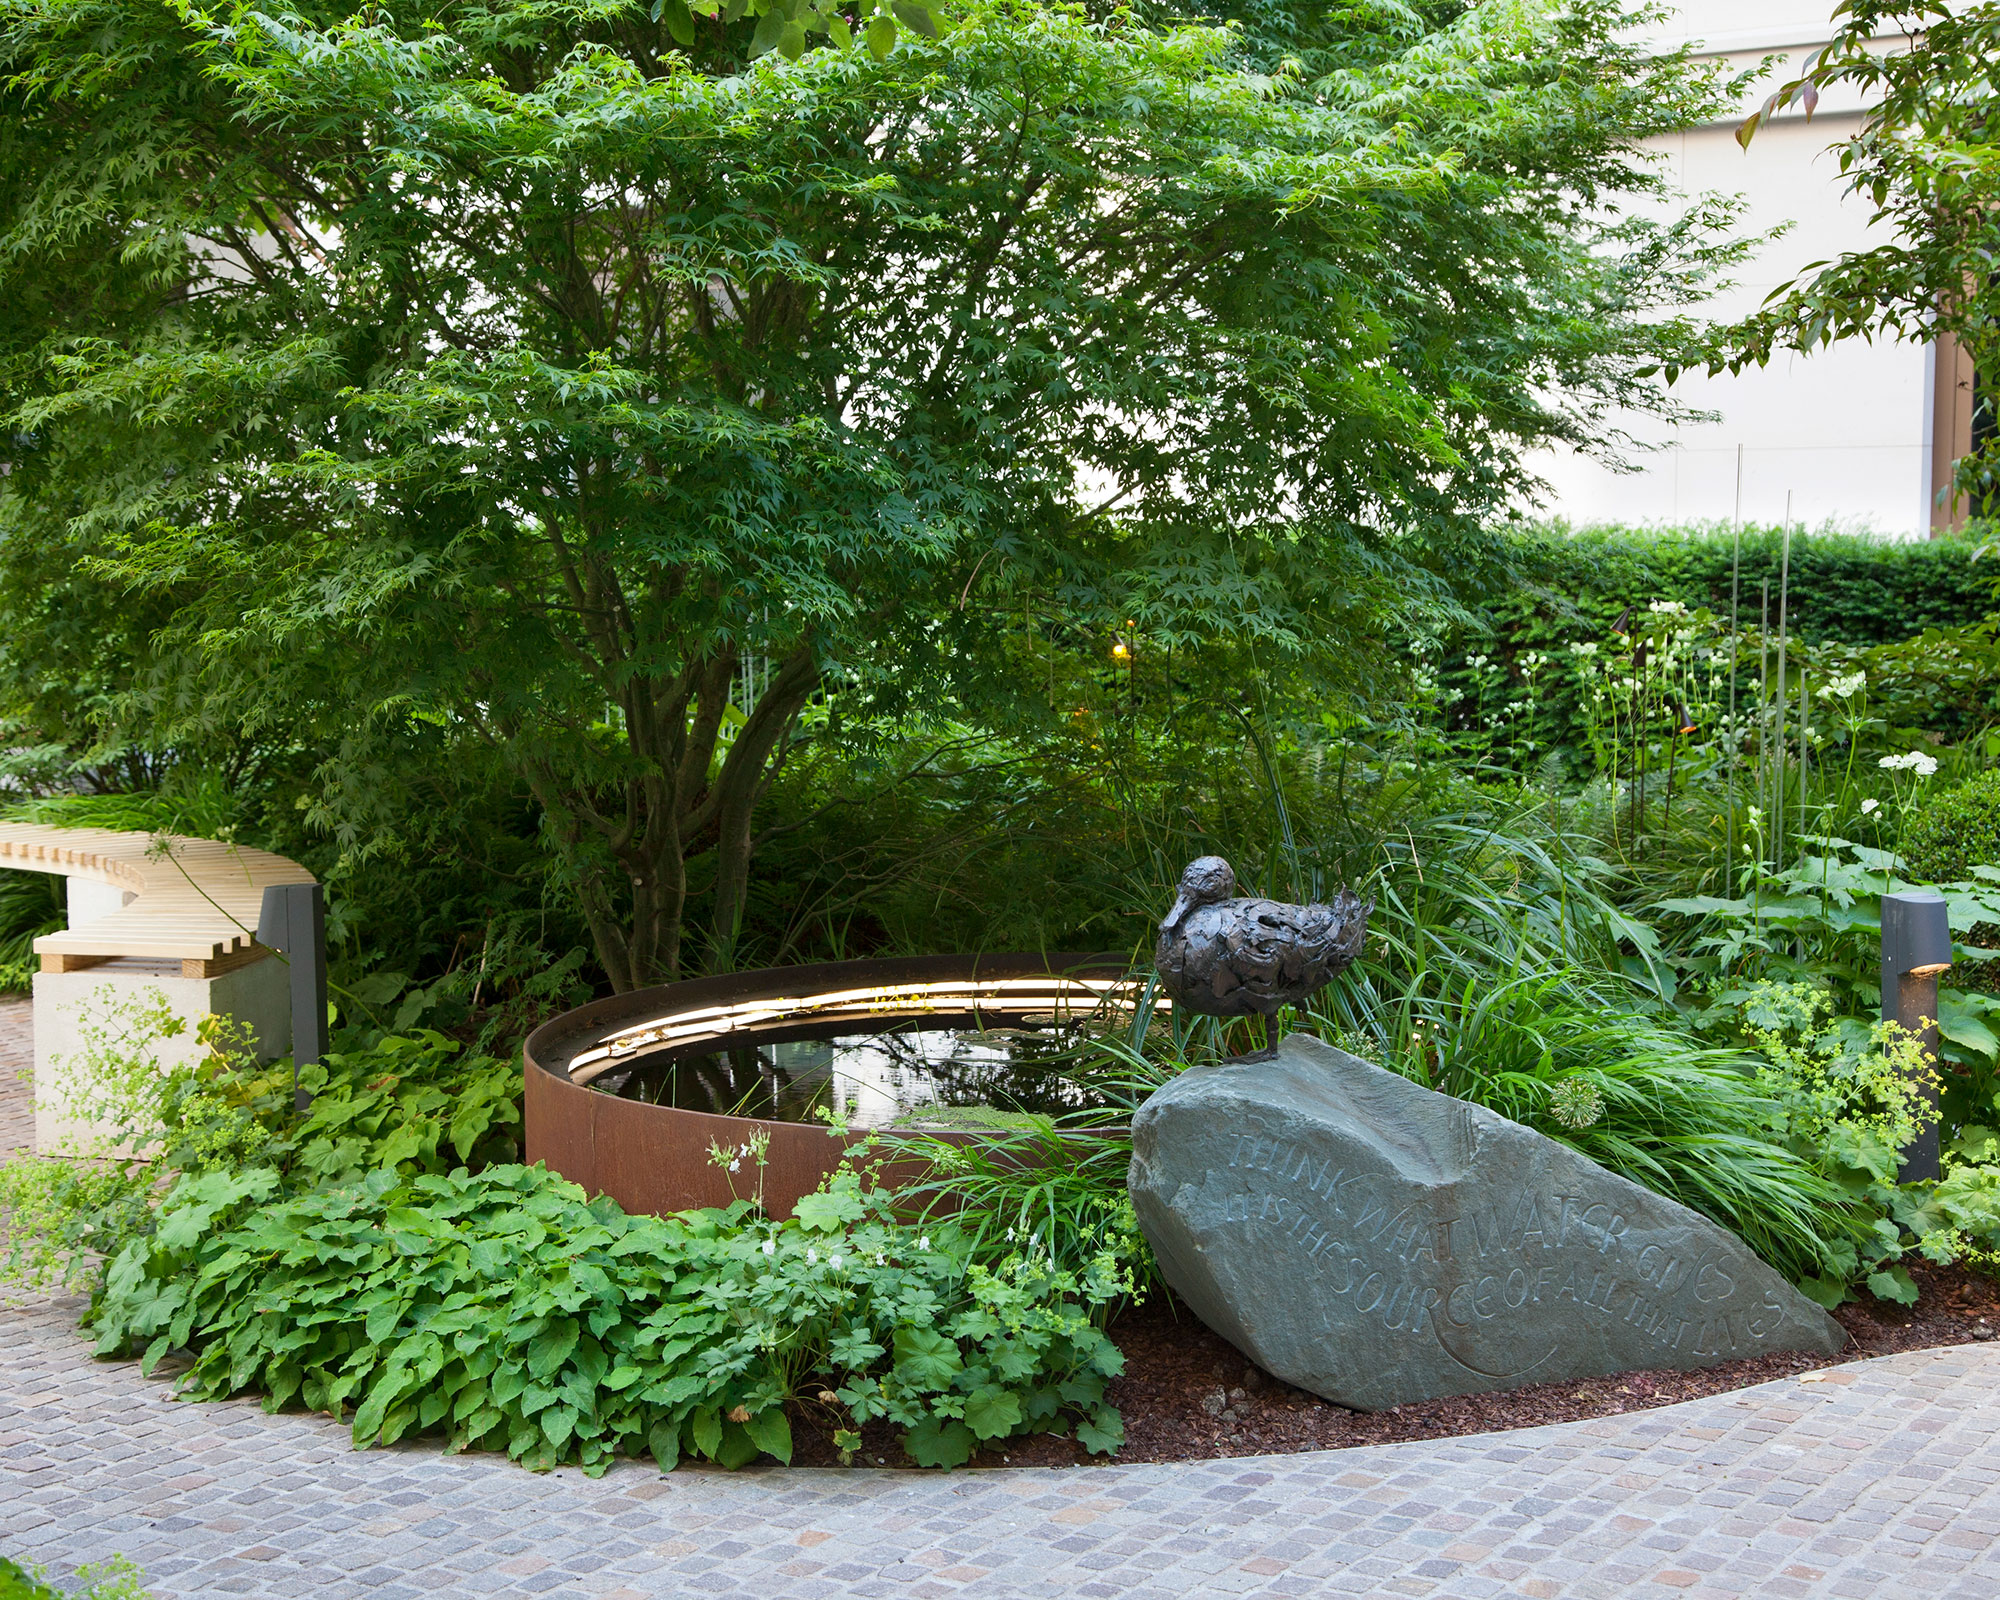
(1876, 1479)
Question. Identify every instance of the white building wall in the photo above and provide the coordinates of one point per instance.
(1841, 433)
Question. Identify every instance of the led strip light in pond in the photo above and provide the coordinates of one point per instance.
(1012, 995)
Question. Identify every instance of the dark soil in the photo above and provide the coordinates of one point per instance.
(1189, 1395)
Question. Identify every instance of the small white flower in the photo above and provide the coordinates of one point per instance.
(1667, 608)
(736, 1163)
(769, 1247)
(812, 1256)
(1869, 807)
(881, 1261)
(1925, 765)
(836, 1262)
(924, 1243)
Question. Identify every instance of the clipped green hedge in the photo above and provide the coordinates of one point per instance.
(1843, 586)
(1957, 831)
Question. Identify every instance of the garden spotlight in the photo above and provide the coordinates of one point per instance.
(1916, 947)
(1683, 723)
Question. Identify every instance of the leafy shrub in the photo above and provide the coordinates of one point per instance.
(31, 904)
(1956, 831)
(116, 1579)
(415, 1104)
(510, 1312)
(1847, 1096)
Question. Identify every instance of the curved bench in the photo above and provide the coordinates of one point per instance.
(150, 897)
(148, 913)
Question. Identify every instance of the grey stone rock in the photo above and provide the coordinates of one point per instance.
(1364, 1238)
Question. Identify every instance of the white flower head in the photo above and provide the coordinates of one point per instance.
(881, 1261)
(1915, 761)
(836, 1262)
(769, 1247)
(924, 1243)
(1925, 765)
(1587, 649)
(738, 1162)
(1667, 608)
(812, 1256)
(1870, 806)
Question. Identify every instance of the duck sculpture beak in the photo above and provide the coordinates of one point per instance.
(1182, 906)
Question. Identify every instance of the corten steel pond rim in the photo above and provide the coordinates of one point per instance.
(655, 1158)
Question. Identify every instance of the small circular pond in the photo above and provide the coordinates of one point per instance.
(628, 1095)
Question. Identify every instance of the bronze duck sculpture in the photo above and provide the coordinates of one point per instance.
(1230, 957)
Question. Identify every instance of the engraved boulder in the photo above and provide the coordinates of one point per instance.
(1376, 1243)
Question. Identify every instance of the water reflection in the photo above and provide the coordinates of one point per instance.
(905, 1077)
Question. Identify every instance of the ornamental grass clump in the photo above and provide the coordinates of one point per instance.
(507, 1311)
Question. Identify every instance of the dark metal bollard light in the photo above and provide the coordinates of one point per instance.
(1916, 947)
(293, 922)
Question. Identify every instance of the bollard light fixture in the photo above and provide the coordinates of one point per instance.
(293, 923)
(1916, 947)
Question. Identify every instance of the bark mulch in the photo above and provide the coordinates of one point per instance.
(1188, 1395)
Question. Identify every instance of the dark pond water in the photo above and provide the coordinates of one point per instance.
(906, 1077)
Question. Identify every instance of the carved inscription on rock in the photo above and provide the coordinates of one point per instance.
(1376, 1243)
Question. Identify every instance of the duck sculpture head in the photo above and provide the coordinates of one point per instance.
(1228, 956)
(1208, 881)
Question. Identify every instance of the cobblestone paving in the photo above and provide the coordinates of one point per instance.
(1873, 1479)
(17, 1061)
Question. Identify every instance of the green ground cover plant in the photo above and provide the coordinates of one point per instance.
(116, 1579)
(506, 1309)
(387, 1252)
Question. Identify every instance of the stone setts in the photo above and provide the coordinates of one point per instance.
(1376, 1243)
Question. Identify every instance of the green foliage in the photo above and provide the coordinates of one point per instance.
(31, 904)
(1531, 672)
(200, 805)
(407, 1105)
(1847, 1097)
(1047, 1188)
(885, 375)
(506, 1311)
(1954, 831)
(116, 1579)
